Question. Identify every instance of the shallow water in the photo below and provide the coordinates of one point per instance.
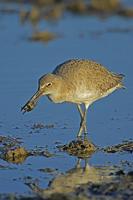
(22, 62)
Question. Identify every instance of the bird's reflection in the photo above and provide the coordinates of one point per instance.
(67, 183)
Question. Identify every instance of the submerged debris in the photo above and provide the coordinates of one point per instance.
(78, 7)
(44, 153)
(5, 167)
(105, 5)
(44, 36)
(42, 126)
(48, 170)
(8, 141)
(126, 12)
(54, 12)
(125, 146)
(79, 148)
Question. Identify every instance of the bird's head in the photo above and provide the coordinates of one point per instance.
(48, 85)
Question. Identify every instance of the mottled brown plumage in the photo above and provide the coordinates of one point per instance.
(87, 76)
(77, 81)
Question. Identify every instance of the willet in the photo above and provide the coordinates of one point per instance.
(79, 82)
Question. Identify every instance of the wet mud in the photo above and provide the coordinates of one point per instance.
(79, 148)
(12, 151)
(124, 147)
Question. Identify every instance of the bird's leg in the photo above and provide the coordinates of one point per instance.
(78, 164)
(81, 116)
(83, 120)
(80, 111)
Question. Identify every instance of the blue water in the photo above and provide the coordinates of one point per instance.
(110, 120)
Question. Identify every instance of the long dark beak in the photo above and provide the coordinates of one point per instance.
(30, 105)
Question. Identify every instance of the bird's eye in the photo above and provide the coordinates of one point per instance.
(49, 84)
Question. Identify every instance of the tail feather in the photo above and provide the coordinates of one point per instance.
(120, 76)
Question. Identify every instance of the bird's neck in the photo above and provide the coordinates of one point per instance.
(63, 93)
(67, 91)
